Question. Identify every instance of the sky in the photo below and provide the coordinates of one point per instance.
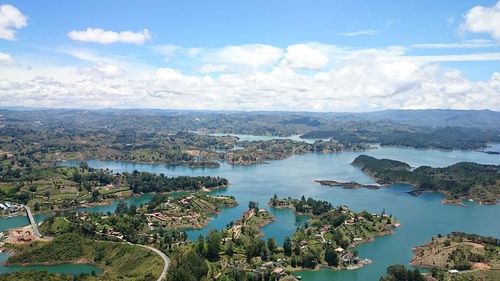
(251, 55)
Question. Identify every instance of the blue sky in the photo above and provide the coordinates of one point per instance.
(441, 53)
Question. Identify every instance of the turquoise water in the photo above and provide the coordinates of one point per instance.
(18, 221)
(265, 138)
(421, 217)
(73, 269)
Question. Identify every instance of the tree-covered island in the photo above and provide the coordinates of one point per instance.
(329, 236)
(464, 180)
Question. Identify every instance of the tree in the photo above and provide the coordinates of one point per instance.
(331, 256)
(200, 245)
(264, 253)
(77, 177)
(271, 244)
(309, 259)
(213, 245)
(84, 165)
(187, 266)
(230, 249)
(121, 208)
(287, 246)
(400, 273)
(132, 210)
(253, 205)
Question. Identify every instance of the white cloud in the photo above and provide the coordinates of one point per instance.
(467, 44)
(305, 56)
(482, 19)
(213, 68)
(233, 58)
(168, 74)
(338, 79)
(10, 20)
(6, 58)
(363, 32)
(101, 70)
(252, 55)
(98, 35)
(451, 58)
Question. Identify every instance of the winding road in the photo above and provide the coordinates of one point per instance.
(166, 260)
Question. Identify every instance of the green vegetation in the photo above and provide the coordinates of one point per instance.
(463, 180)
(148, 182)
(476, 257)
(191, 211)
(141, 224)
(330, 233)
(40, 276)
(118, 260)
(236, 253)
(260, 151)
(400, 273)
(417, 137)
(52, 187)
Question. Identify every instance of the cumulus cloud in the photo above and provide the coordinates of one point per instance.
(363, 32)
(482, 19)
(337, 79)
(11, 19)
(98, 35)
(213, 68)
(6, 58)
(305, 56)
(253, 55)
(101, 70)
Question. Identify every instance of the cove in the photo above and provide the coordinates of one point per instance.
(421, 217)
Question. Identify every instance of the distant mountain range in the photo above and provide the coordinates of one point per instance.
(485, 119)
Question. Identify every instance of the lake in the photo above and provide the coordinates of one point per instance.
(421, 217)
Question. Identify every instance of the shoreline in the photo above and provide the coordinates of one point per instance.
(106, 202)
(413, 192)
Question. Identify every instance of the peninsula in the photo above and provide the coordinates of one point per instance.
(464, 180)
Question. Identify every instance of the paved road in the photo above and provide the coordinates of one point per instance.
(166, 260)
(36, 232)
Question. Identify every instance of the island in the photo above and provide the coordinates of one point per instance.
(460, 256)
(255, 152)
(330, 234)
(187, 212)
(460, 181)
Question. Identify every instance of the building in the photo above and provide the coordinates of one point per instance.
(279, 271)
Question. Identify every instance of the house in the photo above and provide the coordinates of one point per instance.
(279, 271)
(350, 221)
(453, 271)
(350, 258)
(339, 250)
